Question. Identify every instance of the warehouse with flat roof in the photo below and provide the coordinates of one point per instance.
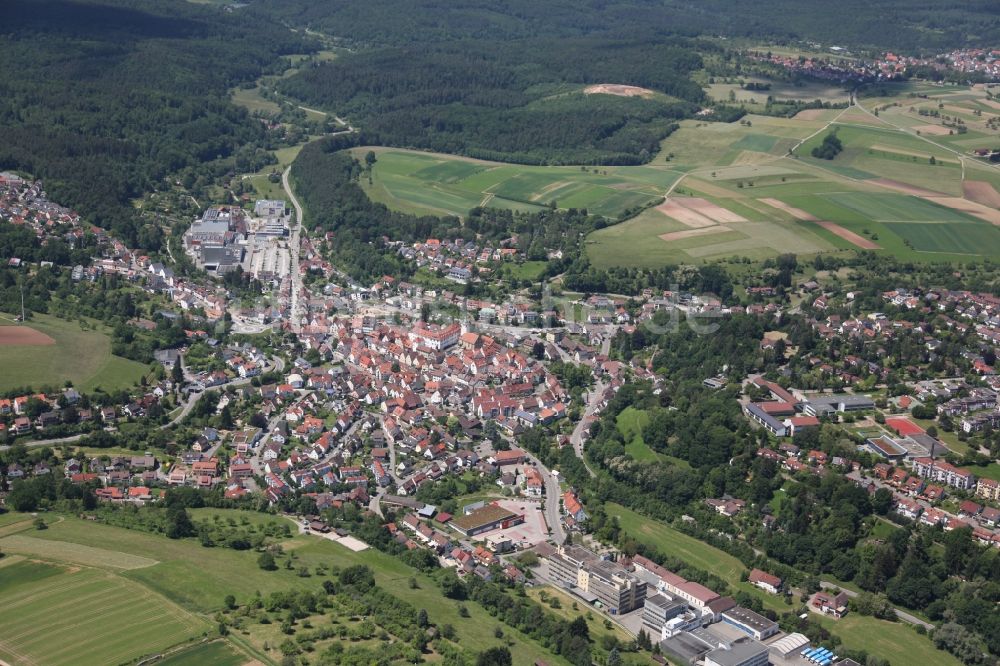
(486, 519)
(751, 623)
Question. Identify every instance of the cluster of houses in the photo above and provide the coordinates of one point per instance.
(24, 203)
(455, 259)
(887, 66)
(25, 414)
(422, 528)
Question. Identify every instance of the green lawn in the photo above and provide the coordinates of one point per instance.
(630, 423)
(895, 641)
(991, 471)
(81, 356)
(527, 270)
(252, 100)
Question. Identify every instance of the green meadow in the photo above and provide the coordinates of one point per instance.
(432, 183)
(81, 355)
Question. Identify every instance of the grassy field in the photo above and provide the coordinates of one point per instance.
(630, 423)
(431, 183)
(894, 641)
(698, 554)
(55, 614)
(216, 653)
(780, 90)
(252, 100)
(863, 189)
(183, 575)
(81, 356)
(991, 471)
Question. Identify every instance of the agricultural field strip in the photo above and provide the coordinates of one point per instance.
(75, 553)
(130, 611)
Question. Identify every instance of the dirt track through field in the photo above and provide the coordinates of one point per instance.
(849, 236)
(23, 335)
(797, 213)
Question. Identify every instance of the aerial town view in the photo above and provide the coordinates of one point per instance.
(499, 334)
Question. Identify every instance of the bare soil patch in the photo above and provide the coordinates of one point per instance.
(990, 103)
(617, 89)
(710, 210)
(797, 213)
(685, 216)
(23, 335)
(984, 213)
(691, 233)
(933, 130)
(905, 188)
(981, 192)
(810, 114)
(849, 236)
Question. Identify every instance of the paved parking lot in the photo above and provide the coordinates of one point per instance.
(532, 531)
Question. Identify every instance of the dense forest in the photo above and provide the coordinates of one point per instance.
(104, 98)
(909, 25)
(518, 101)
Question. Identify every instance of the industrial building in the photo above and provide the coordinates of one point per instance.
(744, 652)
(753, 624)
(597, 580)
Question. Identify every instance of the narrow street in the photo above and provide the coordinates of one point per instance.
(294, 313)
(576, 439)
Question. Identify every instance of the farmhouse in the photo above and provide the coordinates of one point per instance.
(765, 581)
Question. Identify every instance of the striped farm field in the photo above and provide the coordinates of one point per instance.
(434, 183)
(56, 614)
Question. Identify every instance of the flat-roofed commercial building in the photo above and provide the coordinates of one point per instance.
(595, 579)
(565, 564)
(618, 590)
(751, 623)
(744, 652)
(486, 519)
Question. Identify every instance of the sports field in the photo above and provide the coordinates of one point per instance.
(432, 183)
(47, 351)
